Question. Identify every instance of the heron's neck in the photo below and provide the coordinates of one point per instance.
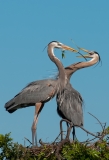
(74, 67)
(88, 63)
(62, 74)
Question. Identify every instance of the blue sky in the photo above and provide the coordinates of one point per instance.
(26, 27)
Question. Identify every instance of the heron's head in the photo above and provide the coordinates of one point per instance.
(91, 54)
(56, 44)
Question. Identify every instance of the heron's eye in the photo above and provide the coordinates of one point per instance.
(91, 53)
(59, 44)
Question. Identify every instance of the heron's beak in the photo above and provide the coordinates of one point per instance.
(69, 48)
(84, 50)
(86, 56)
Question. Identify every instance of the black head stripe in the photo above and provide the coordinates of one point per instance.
(96, 52)
(98, 55)
(99, 58)
(53, 41)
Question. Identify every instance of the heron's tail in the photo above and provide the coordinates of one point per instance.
(11, 106)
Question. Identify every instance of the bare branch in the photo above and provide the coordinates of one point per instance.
(28, 140)
(97, 120)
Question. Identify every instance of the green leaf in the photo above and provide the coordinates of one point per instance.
(63, 54)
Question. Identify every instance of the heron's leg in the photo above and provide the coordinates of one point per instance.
(61, 129)
(68, 128)
(67, 125)
(73, 133)
(33, 128)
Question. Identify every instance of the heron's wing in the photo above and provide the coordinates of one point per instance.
(38, 91)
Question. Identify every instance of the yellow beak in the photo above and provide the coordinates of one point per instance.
(86, 56)
(69, 48)
(84, 50)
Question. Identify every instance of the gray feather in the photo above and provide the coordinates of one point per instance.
(71, 106)
(34, 92)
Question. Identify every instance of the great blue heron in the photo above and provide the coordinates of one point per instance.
(70, 107)
(37, 93)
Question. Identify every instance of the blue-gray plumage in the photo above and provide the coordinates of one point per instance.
(39, 92)
(70, 107)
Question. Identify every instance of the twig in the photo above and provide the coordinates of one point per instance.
(97, 120)
(89, 140)
(28, 140)
(89, 132)
(104, 125)
(42, 143)
(71, 125)
(56, 138)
